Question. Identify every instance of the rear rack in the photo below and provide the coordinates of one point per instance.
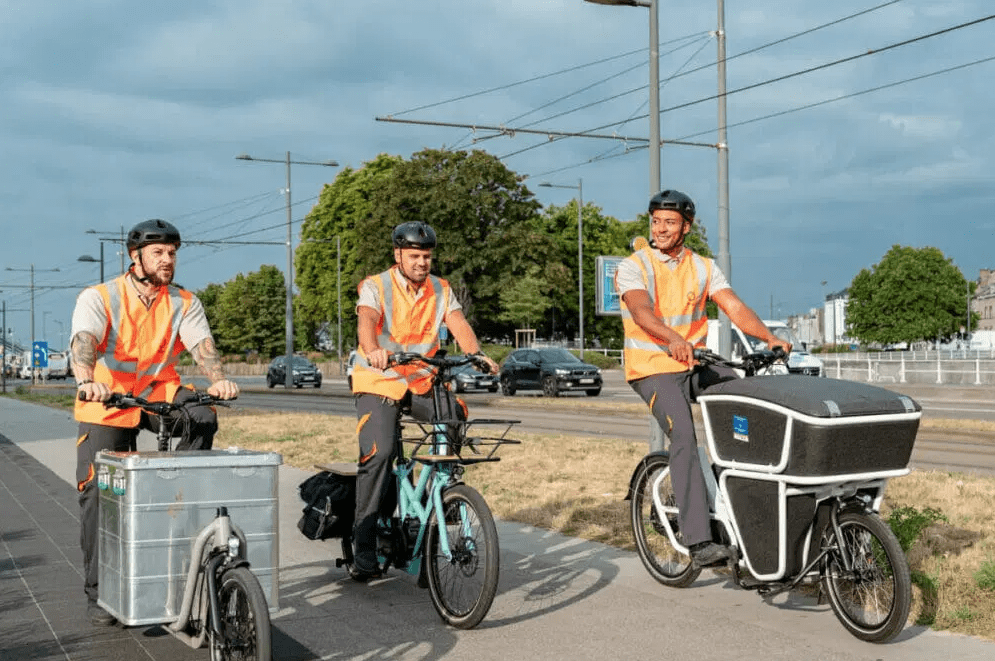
(482, 438)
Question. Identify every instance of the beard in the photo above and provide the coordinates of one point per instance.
(160, 278)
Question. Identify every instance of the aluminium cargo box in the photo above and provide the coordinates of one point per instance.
(152, 507)
(800, 426)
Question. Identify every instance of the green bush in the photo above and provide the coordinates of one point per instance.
(985, 577)
(908, 523)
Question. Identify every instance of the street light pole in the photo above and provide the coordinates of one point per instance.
(32, 269)
(580, 255)
(288, 371)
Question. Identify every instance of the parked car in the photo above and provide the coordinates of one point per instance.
(58, 365)
(303, 371)
(465, 377)
(552, 370)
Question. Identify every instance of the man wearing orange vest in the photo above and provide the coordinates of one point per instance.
(127, 336)
(664, 288)
(401, 309)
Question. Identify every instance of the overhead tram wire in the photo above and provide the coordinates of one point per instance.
(631, 117)
(712, 64)
(501, 88)
(783, 112)
(845, 60)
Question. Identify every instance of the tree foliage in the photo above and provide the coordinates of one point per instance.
(327, 262)
(525, 301)
(912, 294)
(248, 313)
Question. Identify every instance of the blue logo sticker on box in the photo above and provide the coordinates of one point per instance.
(741, 428)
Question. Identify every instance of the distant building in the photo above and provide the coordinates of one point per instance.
(834, 318)
(983, 301)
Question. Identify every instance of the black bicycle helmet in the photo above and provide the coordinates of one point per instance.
(152, 231)
(414, 234)
(675, 201)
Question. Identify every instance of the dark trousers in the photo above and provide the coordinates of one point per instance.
(93, 438)
(376, 490)
(669, 397)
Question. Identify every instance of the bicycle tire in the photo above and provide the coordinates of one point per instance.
(664, 562)
(245, 624)
(872, 601)
(463, 588)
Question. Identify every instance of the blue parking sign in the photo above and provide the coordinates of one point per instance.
(39, 353)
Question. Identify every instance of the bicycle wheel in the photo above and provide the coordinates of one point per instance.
(245, 626)
(872, 599)
(463, 586)
(664, 562)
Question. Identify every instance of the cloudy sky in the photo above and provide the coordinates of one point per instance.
(112, 112)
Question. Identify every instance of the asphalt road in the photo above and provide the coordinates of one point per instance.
(954, 447)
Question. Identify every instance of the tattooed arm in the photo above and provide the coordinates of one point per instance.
(206, 355)
(84, 353)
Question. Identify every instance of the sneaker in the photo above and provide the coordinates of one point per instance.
(98, 616)
(362, 576)
(708, 554)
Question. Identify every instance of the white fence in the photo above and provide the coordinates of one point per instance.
(959, 367)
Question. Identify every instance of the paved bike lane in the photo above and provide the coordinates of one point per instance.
(559, 597)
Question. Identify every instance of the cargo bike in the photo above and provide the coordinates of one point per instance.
(442, 530)
(170, 550)
(797, 474)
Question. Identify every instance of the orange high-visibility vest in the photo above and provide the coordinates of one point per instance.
(679, 298)
(138, 352)
(406, 324)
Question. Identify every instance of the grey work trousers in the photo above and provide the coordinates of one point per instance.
(669, 397)
(376, 490)
(93, 438)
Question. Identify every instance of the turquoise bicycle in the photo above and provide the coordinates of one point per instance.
(442, 530)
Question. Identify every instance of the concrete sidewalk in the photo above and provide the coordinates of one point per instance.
(559, 597)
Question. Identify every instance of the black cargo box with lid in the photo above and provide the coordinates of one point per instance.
(799, 425)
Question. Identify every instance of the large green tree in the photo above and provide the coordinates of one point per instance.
(326, 263)
(248, 313)
(485, 218)
(912, 294)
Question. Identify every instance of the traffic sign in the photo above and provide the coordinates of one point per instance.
(39, 353)
(608, 300)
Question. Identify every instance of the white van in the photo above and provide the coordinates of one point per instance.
(800, 361)
(742, 344)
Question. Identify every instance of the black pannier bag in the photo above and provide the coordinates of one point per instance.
(331, 505)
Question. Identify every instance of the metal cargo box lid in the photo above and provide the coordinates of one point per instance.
(818, 397)
(230, 457)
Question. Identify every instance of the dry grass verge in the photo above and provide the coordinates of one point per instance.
(577, 486)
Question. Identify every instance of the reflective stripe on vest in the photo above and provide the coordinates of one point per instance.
(406, 324)
(681, 306)
(139, 352)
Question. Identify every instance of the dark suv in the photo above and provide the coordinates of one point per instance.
(552, 370)
(304, 371)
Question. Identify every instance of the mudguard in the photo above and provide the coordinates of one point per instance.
(649, 458)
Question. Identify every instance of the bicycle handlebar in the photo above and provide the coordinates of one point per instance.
(751, 363)
(440, 359)
(124, 401)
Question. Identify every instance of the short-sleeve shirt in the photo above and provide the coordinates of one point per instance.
(91, 316)
(369, 293)
(630, 277)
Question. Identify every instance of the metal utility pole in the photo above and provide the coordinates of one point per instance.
(288, 372)
(32, 270)
(724, 258)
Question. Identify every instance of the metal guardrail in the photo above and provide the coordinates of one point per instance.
(956, 367)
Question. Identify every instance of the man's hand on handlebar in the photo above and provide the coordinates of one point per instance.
(378, 358)
(93, 392)
(778, 342)
(483, 362)
(223, 389)
(683, 352)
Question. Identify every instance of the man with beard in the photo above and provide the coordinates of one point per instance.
(401, 309)
(127, 336)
